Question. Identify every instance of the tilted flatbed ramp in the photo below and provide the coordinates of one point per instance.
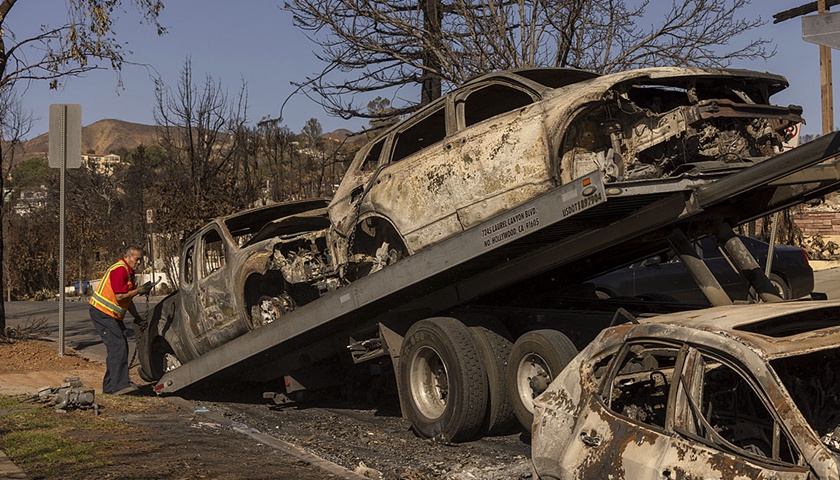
(584, 228)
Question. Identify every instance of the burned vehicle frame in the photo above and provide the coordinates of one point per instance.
(232, 279)
(729, 392)
(508, 137)
(494, 143)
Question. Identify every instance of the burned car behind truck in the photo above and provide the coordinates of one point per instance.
(486, 147)
(747, 391)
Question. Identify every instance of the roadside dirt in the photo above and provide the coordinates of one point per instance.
(161, 439)
(25, 367)
(203, 437)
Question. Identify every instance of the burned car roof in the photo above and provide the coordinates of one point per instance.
(773, 330)
(254, 219)
(558, 78)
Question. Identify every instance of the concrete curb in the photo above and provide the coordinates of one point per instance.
(10, 471)
(281, 445)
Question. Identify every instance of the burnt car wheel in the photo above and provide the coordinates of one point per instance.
(269, 309)
(161, 360)
(535, 360)
(443, 391)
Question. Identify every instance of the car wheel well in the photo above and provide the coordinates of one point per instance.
(372, 232)
(259, 285)
(373, 245)
(267, 297)
(778, 279)
(159, 348)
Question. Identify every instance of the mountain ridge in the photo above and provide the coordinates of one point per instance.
(111, 135)
(101, 137)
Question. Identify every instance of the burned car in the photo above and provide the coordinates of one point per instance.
(728, 392)
(231, 282)
(507, 137)
(488, 146)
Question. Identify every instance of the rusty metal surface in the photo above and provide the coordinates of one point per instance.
(599, 418)
(637, 125)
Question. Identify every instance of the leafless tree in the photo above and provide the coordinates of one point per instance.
(85, 41)
(15, 125)
(197, 130)
(380, 46)
(200, 130)
(278, 152)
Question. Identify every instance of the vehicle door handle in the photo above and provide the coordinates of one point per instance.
(590, 440)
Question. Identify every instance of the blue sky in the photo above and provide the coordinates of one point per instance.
(256, 41)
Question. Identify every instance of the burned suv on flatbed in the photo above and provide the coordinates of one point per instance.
(488, 146)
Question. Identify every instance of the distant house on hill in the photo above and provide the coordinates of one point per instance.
(101, 163)
(30, 200)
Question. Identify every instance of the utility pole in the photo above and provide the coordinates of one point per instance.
(826, 83)
(826, 87)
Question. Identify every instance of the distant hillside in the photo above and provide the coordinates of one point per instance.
(108, 136)
(102, 137)
(339, 134)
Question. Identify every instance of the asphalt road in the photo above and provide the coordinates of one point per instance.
(78, 329)
(828, 281)
(80, 335)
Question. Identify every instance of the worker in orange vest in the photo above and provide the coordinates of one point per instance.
(108, 304)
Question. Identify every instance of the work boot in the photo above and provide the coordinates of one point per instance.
(131, 388)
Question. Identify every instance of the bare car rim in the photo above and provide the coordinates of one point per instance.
(170, 362)
(270, 309)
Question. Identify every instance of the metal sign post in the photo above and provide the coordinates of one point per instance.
(150, 220)
(65, 152)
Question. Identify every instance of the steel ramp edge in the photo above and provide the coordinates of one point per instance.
(773, 169)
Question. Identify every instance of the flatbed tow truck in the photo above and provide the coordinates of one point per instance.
(475, 326)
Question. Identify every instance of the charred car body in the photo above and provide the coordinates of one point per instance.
(496, 142)
(729, 392)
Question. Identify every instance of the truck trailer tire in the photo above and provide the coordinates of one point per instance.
(535, 360)
(494, 343)
(442, 382)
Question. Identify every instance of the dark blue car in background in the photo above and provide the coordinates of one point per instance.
(663, 277)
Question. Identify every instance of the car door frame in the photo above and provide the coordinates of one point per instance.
(192, 324)
(719, 461)
(603, 438)
(214, 290)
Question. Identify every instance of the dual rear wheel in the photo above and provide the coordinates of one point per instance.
(459, 380)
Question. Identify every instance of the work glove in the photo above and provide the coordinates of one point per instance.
(144, 289)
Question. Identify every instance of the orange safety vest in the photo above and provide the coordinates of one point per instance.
(104, 298)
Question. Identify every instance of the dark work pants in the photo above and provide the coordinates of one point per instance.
(112, 332)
